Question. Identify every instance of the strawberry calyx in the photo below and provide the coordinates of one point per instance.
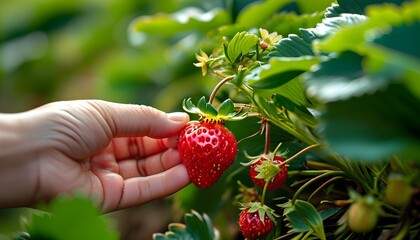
(268, 169)
(262, 210)
(208, 114)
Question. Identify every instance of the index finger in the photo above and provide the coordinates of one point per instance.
(127, 120)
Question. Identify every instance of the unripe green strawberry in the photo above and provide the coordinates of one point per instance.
(264, 169)
(362, 215)
(399, 190)
(207, 150)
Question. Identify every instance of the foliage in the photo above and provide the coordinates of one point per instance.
(342, 93)
(196, 226)
(68, 218)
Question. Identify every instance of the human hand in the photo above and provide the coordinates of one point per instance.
(122, 155)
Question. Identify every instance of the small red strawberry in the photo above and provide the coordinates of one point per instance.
(256, 221)
(206, 147)
(264, 170)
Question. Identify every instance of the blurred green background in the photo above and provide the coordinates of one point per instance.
(79, 49)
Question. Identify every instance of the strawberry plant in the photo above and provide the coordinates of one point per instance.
(327, 99)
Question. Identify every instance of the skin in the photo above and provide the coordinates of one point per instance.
(121, 155)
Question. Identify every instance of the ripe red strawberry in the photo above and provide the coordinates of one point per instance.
(265, 169)
(256, 221)
(206, 147)
(207, 150)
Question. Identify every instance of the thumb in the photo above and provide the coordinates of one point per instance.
(139, 120)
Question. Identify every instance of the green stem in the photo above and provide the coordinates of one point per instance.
(312, 181)
(401, 235)
(321, 165)
(218, 86)
(323, 185)
(308, 172)
(378, 177)
(267, 136)
(264, 192)
(309, 233)
(283, 125)
(299, 153)
(294, 132)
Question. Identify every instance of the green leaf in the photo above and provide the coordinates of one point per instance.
(356, 6)
(268, 108)
(310, 6)
(290, 22)
(279, 71)
(226, 108)
(399, 47)
(375, 126)
(188, 19)
(241, 44)
(210, 110)
(329, 212)
(277, 80)
(330, 26)
(304, 217)
(344, 76)
(254, 15)
(202, 104)
(292, 46)
(71, 218)
(380, 19)
(301, 112)
(196, 226)
(188, 106)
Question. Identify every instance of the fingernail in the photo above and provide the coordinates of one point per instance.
(178, 116)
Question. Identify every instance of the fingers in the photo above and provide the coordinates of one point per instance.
(151, 165)
(139, 120)
(143, 189)
(119, 193)
(140, 147)
(131, 182)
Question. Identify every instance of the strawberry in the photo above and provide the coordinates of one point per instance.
(264, 170)
(398, 191)
(362, 215)
(256, 221)
(206, 147)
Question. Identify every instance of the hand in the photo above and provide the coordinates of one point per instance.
(122, 155)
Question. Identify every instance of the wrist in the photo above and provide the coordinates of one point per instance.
(11, 137)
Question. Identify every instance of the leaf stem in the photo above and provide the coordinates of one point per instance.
(323, 185)
(311, 181)
(299, 153)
